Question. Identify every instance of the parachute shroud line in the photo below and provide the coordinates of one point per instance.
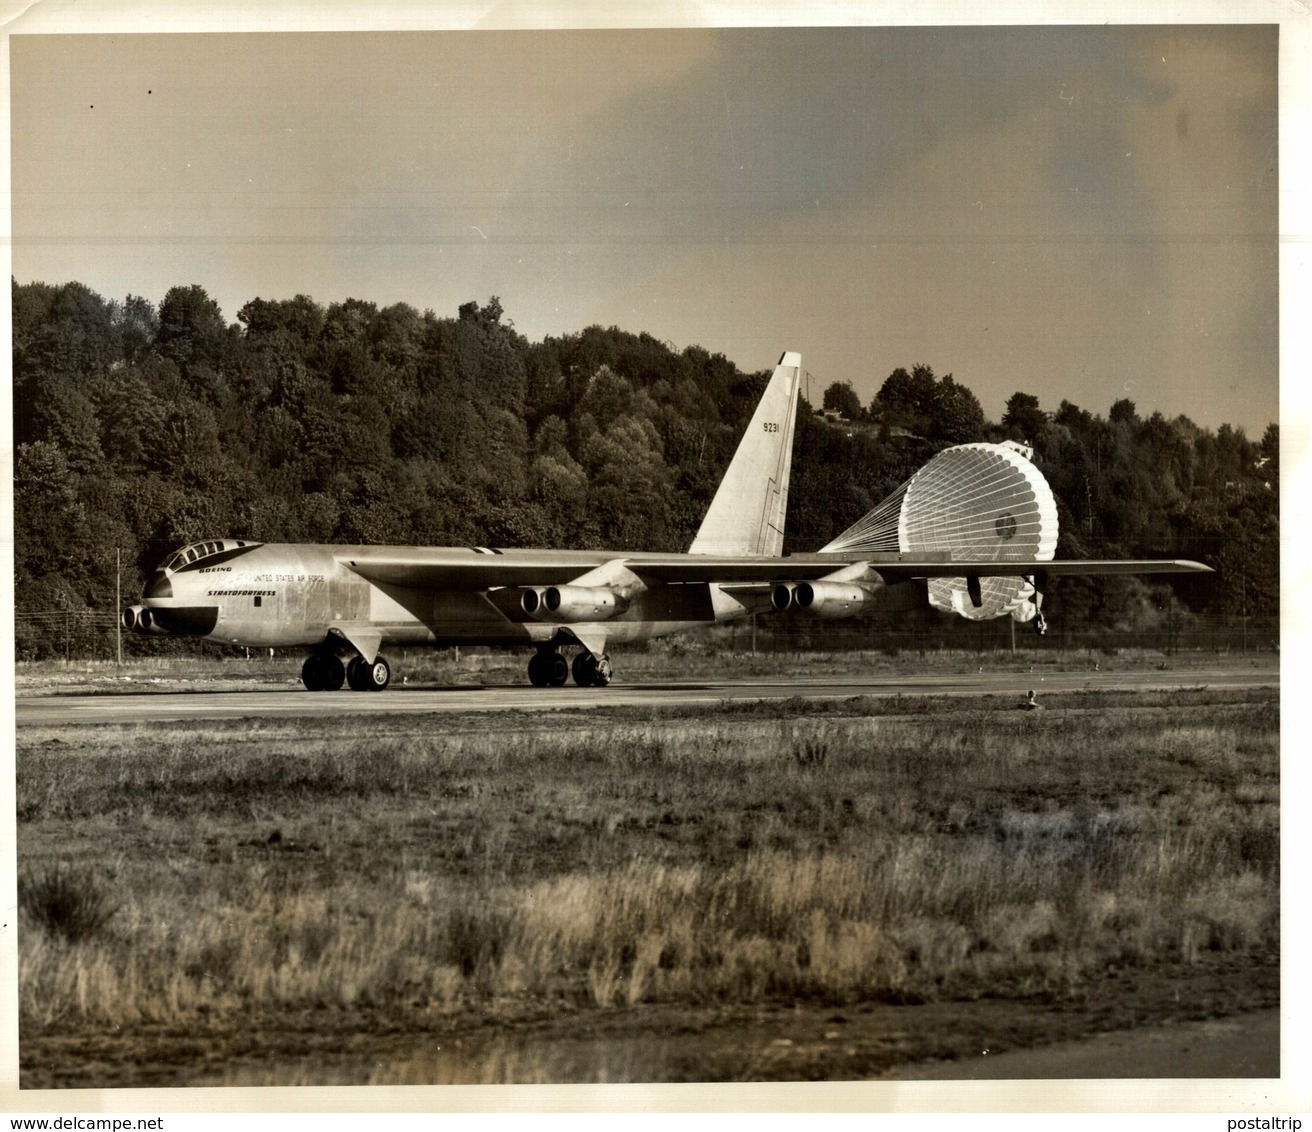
(983, 502)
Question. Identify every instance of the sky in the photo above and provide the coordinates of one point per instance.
(1084, 213)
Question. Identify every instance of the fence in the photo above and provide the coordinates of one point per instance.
(74, 634)
(918, 633)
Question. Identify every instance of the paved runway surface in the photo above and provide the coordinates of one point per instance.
(121, 706)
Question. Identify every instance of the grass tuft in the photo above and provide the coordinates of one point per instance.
(809, 750)
(68, 903)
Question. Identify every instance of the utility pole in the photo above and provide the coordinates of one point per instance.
(1243, 589)
(118, 603)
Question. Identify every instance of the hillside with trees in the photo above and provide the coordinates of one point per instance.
(139, 428)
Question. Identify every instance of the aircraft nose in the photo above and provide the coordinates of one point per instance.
(159, 585)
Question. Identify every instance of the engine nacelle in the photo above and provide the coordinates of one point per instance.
(139, 619)
(832, 600)
(568, 604)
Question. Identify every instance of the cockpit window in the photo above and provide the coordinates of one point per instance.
(198, 550)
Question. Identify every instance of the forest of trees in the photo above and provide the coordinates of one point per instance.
(140, 428)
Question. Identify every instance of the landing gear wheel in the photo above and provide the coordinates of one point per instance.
(335, 673)
(559, 670)
(539, 669)
(584, 669)
(591, 671)
(377, 675)
(357, 674)
(312, 673)
(322, 673)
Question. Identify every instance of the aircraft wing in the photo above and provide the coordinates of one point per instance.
(472, 568)
(905, 571)
(460, 568)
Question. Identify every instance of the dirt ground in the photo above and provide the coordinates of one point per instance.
(1245, 1045)
(1211, 1019)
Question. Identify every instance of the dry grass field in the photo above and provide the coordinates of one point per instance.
(735, 892)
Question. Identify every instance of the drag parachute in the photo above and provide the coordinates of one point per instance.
(982, 502)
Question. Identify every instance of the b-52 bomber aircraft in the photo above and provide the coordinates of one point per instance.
(974, 531)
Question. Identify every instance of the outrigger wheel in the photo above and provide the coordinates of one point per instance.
(365, 677)
(591, 671)
(322, 672)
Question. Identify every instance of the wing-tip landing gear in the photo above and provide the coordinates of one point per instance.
(1040, 584)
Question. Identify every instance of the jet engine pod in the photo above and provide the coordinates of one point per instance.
(782, 596)
(576, 603)
(832, 599)
(530, 601)
(140, 619)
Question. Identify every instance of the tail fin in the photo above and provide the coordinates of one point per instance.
(747, 514)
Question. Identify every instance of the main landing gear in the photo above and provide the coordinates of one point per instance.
(591, 671)
(325, 672)
(365, 677)
(549, 669)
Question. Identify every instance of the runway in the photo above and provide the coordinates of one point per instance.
(134, 706)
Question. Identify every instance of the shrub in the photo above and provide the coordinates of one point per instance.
(65, 902)
(477, 938)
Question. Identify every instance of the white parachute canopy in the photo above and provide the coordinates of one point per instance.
(982, 502)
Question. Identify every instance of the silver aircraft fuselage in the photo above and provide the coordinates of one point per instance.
(285, 595)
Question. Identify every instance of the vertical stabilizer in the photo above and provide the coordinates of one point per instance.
(747, 514)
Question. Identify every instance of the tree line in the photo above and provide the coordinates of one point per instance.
(139, 428)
